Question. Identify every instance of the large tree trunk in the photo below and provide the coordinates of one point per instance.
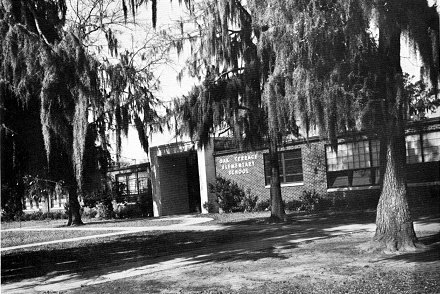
(74, 208)
(277, 207)
(394, 226)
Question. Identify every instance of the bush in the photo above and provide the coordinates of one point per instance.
(39, 215)
(231, 197)
(124, 210)
(210, 206)
(249, 202)
(103, 211)
(311, 201)
(131, 211)
(89, 212)
(10, 201)
(293, 205)
(263, 205)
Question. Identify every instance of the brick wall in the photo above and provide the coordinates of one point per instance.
(247, 170)
(249, 174)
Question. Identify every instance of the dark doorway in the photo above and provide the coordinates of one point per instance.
(193, 182)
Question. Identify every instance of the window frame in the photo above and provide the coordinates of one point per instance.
(416, 162)
(374, 177)
(282, 162)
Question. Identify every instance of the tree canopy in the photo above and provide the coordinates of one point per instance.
(223, 54)
(51, 66)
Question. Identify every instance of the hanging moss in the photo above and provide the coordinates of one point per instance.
(79, 137)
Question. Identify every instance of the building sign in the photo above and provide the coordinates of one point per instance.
(238, 164)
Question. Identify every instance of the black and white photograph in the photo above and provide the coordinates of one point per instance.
(220, 146)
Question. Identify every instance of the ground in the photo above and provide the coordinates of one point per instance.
(230, 253)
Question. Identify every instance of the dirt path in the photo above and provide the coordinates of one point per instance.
(319, 254)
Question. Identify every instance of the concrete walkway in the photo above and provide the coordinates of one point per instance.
(59, 281)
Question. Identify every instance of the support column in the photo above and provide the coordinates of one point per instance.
(155, 182)
(206, 165)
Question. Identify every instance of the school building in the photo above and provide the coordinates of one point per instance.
(181, 172)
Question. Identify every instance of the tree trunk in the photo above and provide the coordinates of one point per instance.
(394, 226)
(277, 208)
(74, 208)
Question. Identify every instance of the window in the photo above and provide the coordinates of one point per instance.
(355, 164)
(413, 149)
(133, 183)
(431, 146)
(291, 170)
(143, 182)
(422, 157)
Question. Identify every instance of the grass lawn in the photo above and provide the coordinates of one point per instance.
(329, 265)
(15, 238)
(305, 254)
(90, 222)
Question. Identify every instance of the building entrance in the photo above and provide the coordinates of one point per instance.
(181, 174)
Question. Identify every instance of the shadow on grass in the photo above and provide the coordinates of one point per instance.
(250, 240)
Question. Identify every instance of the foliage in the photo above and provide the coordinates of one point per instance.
(210, 206)
(329, 69)
(89, 212)
(224, 51)
(223, 55)
(231, 197)
(51, 70)
(126, 210)
(419, 95)
(249, 201)
(326, 62)
(293, 205)
(106, 194)
(104, 210)
(263, 205)
(310, 201)
(38, 215)
(10, 206)
(37, 188)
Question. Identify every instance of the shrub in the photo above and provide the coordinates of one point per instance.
(249, 202)
(103, 211)
(130, 211)
(89, 212)
(210, 206)
(293, 205)
(231, 197)
(263, 205)
(312, 201)
(39, 215)
(125, 210)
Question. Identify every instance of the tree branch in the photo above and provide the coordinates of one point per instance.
(34, 14)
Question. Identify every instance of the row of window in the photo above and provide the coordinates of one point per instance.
(133, 183)
(357, 163)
